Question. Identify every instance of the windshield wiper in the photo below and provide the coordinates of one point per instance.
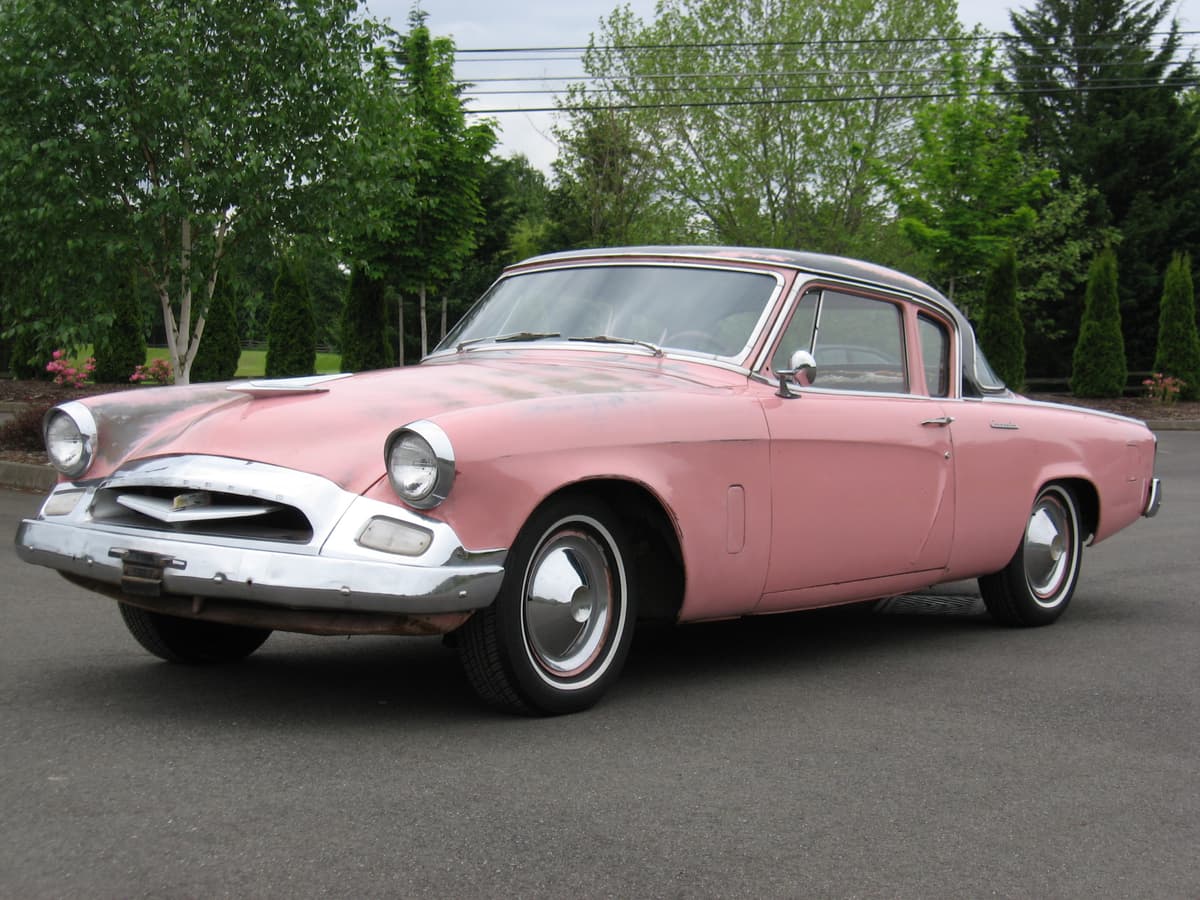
(514, 336)
(610, 339)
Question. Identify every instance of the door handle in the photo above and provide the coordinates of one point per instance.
(941, 421)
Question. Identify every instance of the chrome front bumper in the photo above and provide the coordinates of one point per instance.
(333, 571)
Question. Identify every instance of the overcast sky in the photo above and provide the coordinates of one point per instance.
(493, 24)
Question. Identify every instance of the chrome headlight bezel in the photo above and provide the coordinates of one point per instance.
(427, 440)
(70, 434)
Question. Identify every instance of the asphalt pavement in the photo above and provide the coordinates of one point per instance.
(920, 752)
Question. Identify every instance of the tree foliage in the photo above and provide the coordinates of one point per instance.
(516, 224)
(435, 220)
(967, 192)
(1098, 366)
(606, 186)
(219, 355)
(163, 132)
(121, 347)
(1105, 84)
(1001, 333)
(364, 324)
(1053, 258)
(291, 341)
(760, 118)
(1178, 352)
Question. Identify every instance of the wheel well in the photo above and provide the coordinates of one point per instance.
(1088, 499)
(657, 558)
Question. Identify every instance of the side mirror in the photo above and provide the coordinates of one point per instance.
(802, 371)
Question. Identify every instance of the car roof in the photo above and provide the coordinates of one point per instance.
(817, 263)
(840, 267)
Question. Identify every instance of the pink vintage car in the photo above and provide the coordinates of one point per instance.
(666, 433)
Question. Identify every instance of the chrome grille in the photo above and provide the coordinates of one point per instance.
(165, 508)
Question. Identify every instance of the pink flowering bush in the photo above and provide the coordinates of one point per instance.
(157, 371)
(1163, 388)
(65, 373)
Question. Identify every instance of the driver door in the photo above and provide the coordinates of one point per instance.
(862, 466)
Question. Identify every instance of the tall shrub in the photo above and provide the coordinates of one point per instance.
(364, 324)
(121, 348)
(1098, 366)
(291, 329)
(1178, 341)
(218, 355)
(1001, 332)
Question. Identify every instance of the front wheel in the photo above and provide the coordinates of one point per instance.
(558, 633)
(1036, 585)
(181, 640)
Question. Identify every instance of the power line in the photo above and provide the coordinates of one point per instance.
(801, 101)
(984, 38)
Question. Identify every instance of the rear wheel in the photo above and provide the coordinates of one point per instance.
(1036, 585)
(558, 633)
(190, 640)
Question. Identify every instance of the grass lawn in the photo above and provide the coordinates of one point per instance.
(253, 363)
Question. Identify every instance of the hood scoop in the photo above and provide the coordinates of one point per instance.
(274, 387)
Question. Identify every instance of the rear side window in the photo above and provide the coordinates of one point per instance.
(935, 355)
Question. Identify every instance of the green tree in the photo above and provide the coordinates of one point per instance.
(219, 355)
(166, 131)
(121, 347)
(967, 191)
(1053, 258)
(291, 340)
(1106, 86)
(515, 225)
(606, 191)
(1001, 332)
(761, 119)
(1098, 366)
(1178, 351)
(364, 324)
(436, 219)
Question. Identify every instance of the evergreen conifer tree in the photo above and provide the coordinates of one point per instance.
(1178, 342)
(291, 330)
(122, 347)
(1001, 333)
(364, 324)
(1098, 366)
(221, 350)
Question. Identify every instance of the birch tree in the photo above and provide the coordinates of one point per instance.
(159, 132)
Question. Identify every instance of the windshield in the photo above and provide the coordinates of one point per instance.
(712, 311)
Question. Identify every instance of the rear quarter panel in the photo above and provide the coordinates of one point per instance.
(1007, 450)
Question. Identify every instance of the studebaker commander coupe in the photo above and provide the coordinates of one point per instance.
(669, 433)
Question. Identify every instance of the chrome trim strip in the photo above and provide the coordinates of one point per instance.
(304, 384)
(1154, 501)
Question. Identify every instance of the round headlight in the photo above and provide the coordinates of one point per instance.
(70, 434)
(420, 464)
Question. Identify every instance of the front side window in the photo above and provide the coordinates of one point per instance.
(857, 342)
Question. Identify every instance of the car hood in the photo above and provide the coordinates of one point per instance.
(338, 430)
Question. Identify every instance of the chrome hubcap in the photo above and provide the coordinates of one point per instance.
(1049, 554)
(569, 603)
